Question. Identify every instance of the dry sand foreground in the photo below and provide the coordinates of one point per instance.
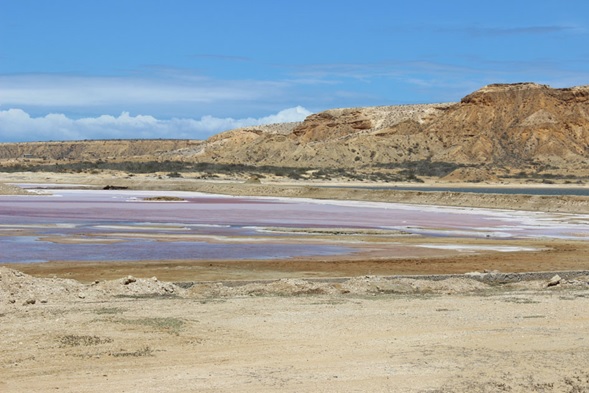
(366, 334)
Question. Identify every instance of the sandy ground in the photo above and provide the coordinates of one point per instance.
(357, 335)
(490, 332)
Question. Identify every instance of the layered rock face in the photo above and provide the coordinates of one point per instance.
(513, 125)
(93, 150)
(335, 138)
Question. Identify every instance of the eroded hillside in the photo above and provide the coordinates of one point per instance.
(340, 138)
(511, 125)
(92, 150)
(499, 130)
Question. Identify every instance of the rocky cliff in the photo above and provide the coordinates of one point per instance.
(513, 125)
(335, 138)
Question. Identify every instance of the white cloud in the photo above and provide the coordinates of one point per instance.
(17, 125)
(54, 91)
(286, 116)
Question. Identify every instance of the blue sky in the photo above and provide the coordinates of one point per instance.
(74, 69)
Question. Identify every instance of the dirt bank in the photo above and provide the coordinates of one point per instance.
(324, 190)
(573, 204)
(7, 189)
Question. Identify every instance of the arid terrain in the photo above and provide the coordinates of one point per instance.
(366, 333)
(478, 322)
(522, 132)
(119, 328)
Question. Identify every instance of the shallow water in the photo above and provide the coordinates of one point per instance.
(115, 225)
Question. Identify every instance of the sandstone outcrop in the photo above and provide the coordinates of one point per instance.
(522, 125)
(498, 125)
(514, 124)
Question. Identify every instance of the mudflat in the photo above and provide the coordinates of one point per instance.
(555, 256)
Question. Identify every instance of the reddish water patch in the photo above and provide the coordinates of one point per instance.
(232, 223)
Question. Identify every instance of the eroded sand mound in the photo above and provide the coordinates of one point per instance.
(370, 285)
(366, 285)
(21, 289)
(137, 287)
(7, 189)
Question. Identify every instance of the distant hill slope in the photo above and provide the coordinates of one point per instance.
(335, 138)
(93, 150)
(511, 125)
(501, 125)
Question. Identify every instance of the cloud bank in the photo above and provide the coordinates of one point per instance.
(16, 125)
(54, 90)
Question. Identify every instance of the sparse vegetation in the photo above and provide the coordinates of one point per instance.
(164, 199)
(145, 351)
(177, 169)
(72, 340)
(520, 300)
(167, 324)
(109, 310)
(424, 167)
(148, 296)
(538, 174)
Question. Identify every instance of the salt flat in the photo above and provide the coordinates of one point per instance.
(314, 323)
(120, 225)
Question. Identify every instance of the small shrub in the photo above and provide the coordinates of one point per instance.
(109, 310)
